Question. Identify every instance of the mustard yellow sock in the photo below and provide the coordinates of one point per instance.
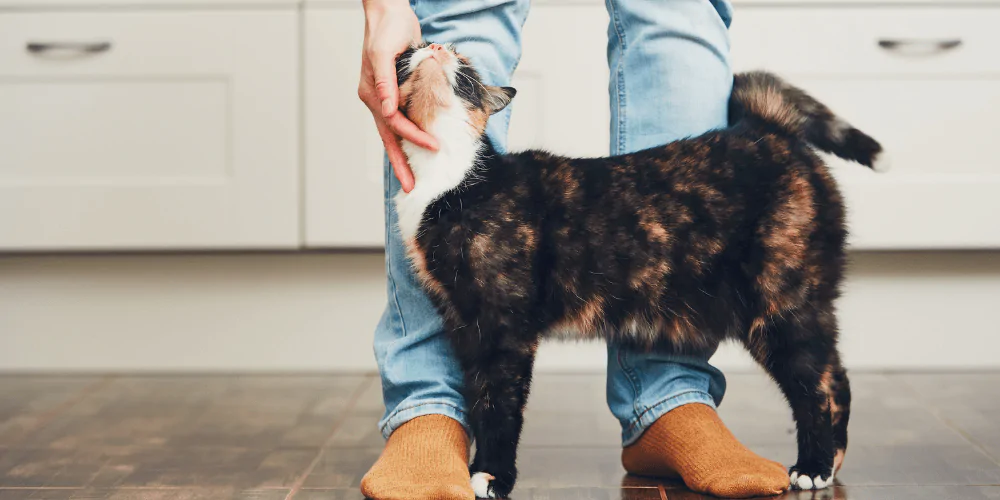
(692, 443)
(426, 458)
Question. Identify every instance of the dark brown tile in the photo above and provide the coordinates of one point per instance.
(883, 412)
(587, 494)
(570, 410)
(556, 468)
(35, 494)
(329, 494)
(179, 494)
(341, 467)
(923, 492)
(370, 400)
(569, 393)
(358, 431)
(236, 468)
(256, 411)
(969, 402)
(905, 464)
(47, 468)
(544, 468)
(564, 410)
(26, 401)
(870, 493)
(578, 429)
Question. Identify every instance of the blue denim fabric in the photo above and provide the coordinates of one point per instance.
(670, 78)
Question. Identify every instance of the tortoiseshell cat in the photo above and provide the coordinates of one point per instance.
(735, 234)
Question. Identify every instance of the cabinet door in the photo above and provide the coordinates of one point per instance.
(925, 83)
(344, 172)
(148, 130)
(343, 152)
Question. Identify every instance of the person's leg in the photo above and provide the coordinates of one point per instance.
(671, 79)
(426, 455)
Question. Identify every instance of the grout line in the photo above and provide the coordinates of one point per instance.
(662, 490)
(47, 417)
(933, 410)
(297, 485)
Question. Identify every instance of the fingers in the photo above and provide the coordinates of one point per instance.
(400, 167)
(384, 70)
(406, 129)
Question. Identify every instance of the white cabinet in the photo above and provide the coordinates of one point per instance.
(149, 129)
(182, 127)
(562, 82)
(925, 82)
(343, 152)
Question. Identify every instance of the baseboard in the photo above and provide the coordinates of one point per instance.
(303, 312)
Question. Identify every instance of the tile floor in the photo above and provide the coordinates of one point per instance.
(913, 436)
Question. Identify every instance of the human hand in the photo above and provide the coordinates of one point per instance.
(390, 27)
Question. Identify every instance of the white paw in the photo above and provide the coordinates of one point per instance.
(804, 482)
(481, 485)
(882, 162)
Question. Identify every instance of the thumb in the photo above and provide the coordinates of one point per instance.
(384, 70)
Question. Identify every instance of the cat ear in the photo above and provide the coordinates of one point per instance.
(498, 98)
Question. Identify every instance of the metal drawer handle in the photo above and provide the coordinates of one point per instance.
(924, 46)
(80, 47)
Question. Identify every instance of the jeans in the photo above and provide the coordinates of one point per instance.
(670, 79)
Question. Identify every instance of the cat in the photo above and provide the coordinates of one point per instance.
(735, 234)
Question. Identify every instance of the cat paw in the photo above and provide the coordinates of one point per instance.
(486, 485)
(800, 478)
(481, 485)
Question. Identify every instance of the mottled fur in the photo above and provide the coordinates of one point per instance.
(736, 234)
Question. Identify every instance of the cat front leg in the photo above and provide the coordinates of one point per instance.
(498, 364)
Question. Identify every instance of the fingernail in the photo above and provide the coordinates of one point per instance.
(386, 107)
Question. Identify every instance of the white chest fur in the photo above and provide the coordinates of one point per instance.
(437, 172)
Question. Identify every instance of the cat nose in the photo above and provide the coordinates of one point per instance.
(435, 46)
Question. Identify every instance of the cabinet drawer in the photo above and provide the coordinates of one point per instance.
(148, 129)
(867, 41)
(931, 108)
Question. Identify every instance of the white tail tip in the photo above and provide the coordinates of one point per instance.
(882, 162)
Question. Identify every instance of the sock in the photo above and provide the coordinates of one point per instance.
(426, 458)
(691, 441)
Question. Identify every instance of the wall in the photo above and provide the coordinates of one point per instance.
(295, 312)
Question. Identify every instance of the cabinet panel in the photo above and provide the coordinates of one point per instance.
(343, 152)
(886, 41)
(931, 109)
(143, 130)
(121, 131)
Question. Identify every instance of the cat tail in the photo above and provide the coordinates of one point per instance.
(763, 96)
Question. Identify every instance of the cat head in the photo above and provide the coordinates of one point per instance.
(437, 84)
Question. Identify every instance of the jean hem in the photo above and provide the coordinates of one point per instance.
(404, 415)
(651, 414)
